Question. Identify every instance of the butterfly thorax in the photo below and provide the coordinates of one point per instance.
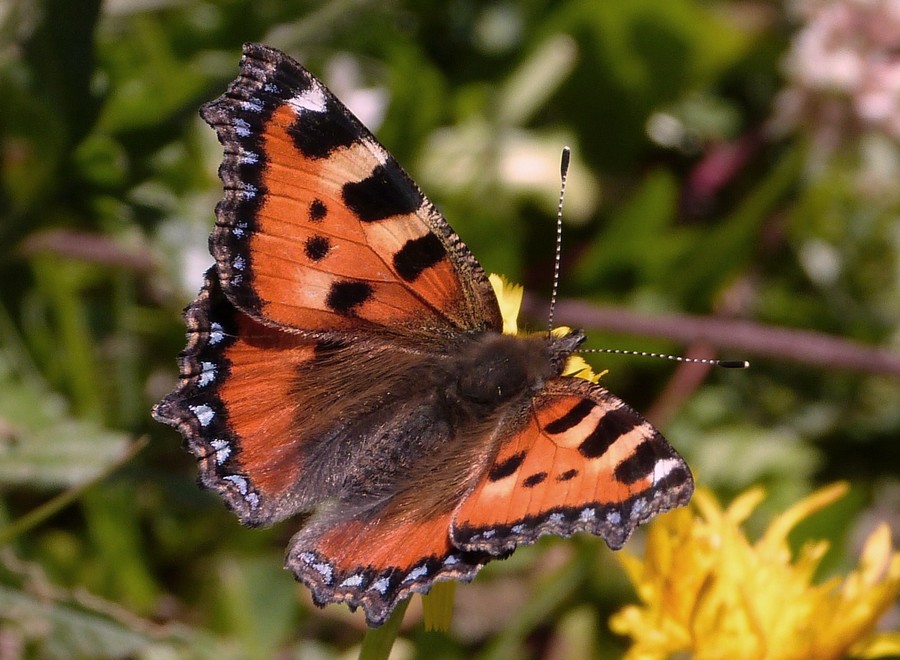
(493, 368)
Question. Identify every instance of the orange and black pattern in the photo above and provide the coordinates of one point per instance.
(345, 366)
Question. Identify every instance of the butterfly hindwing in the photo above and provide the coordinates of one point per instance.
(582, 460)
(320, 229)
(374, 562)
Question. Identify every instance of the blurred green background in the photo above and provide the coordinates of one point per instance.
(720, 168)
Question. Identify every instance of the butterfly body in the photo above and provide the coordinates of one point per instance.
(346, 365)
(418, 423)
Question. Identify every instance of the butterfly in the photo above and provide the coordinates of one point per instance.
(346, 366)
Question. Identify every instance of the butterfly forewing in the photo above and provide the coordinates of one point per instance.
(320, 229)
(582, 461)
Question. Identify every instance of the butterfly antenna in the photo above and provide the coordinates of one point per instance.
(563, 175)
(727, 364)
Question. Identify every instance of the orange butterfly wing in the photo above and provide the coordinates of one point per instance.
(319, 228)
(233, 408)
(375, 563)
(581, 460)
(319, 234)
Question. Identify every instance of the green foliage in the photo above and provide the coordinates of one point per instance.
(107, 190)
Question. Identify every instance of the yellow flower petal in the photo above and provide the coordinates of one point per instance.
(577, 367)
(509, 297)
(707, 592)
(783, 524)
(884, 645)
(875, 563)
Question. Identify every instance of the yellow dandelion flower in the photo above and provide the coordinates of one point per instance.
(708, 592)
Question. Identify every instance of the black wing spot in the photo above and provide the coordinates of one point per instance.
(317, 134)
(317, 247)
(612, 426)
(383, 194)
(317, 211)
(639, 464)
(418, 255)
(567, 475)
(507, 467)
(345, 297)
(572, 418)
(534, 479)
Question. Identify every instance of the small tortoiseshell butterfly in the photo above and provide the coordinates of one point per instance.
(346, 363)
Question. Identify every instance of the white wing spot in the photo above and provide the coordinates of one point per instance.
(239, 229)
(248, 157)
(272, 88)
(216, 333)
(248, 191)
(207, 374)
(663, 469)
(238, 481)
(238, 263)
(519, 529)
(587, 514)
(613, 517)
(203, 413)
(557, 518)
(324, 569)
(638, 507)
(416, 573)
(249, 496)
(222, 448)
(380, 585)
(488, 534)
(451, 560)
(354, 580)
(312, 100)
(241, 127)
(252, 105)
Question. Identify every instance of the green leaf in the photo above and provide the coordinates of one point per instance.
(258, 602)
(53, 628)
(42, 445)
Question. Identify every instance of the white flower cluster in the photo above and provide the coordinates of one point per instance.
(843, 71)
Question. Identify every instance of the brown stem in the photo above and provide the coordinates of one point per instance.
(746, 338)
